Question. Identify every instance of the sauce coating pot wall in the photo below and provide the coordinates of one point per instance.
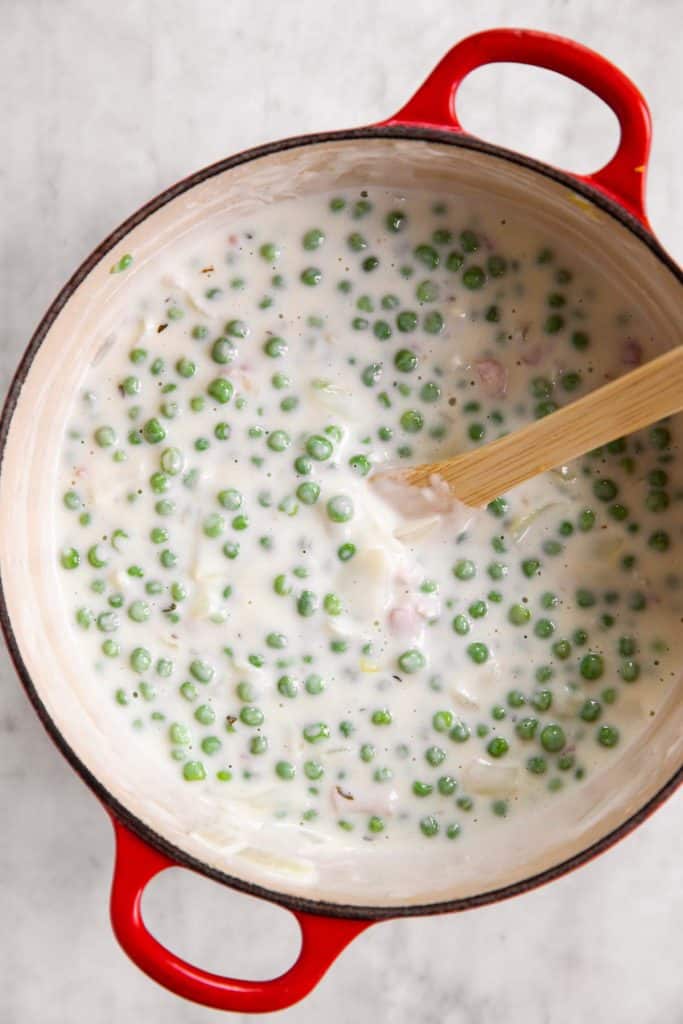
(423, 147)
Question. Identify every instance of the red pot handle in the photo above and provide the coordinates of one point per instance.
(623, 178)
(322, 940)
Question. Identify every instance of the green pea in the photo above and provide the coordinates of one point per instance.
(396, 220)
(542, 700)
(537, 765)
(464, 569)
(405, 360)
(332, 604)
(427, 255)
(553, 323)
(382, 330)
(411, 661)
(447, 785)
(308, 492)
(107, 622)
(153, 431)
(496, 265)
(340, 508)
(427, 291)
(270, 252)
(441, 236)
(433, 322)
(498, 507)
(474, 278)
(346, 551)
(319, 448)
(188, 691)
(186, 367)
(570, 380)
(591, 710)
(223, 351)
(311, 276)
(205, 714)
(412, 421)
(478, 652)
(544, 628)
(526, 728)
(605, 489)
(660, 438)
(469, 240)
(461, 625)
(460, 732)
(442, 721)
(316, 732)
(406, 321)
(211, 745)
(251, 716)
(314, 684)
(313, 770)
(659, 540)
(454, 261)
(519, 615)
(279, 440)
(287, 686)
(313, 239)
(629, 670)
(541, 387)
(221, 389)
(382, 716)
(180, 735)
(498, 746)
(422, 788)
(592, 666)
(429, 826)
(530, 567)
(140, 659)
(202, 671)
(307, 603)
(97, 556)
(139, 611)
(608, 736)
(285, 770)
(105, 437)
(553, 738)
(516, 699)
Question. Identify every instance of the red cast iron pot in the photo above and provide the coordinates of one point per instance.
(615, 194)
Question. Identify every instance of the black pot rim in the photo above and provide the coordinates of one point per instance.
(115, 807)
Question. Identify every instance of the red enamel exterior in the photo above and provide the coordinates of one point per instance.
(322, 940)
(623, 181)
(623, 178)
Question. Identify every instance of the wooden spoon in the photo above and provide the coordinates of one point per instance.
(629, 403)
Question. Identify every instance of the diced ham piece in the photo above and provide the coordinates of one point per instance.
(404, 621)
(631, 352)
(493, 377)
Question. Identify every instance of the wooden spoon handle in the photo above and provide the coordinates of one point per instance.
(629, 403)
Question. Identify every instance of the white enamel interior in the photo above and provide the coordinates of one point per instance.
(27, 546)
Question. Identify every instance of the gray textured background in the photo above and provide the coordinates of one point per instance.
(101, 106)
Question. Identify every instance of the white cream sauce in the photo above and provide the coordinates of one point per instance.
(407, 672)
